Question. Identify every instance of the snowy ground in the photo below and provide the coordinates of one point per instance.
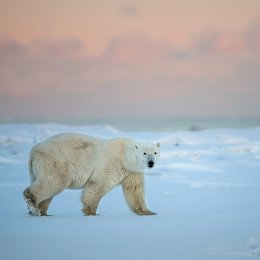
(205, 189)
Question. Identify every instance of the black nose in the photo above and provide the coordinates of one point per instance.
(150, 164)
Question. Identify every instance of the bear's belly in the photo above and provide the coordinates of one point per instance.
(77, 184)
(79, 180)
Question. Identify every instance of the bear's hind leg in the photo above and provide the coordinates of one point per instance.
(30, 201)
(43, 206)
(34, 209)
(39, 195)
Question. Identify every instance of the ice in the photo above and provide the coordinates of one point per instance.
(6, 160)
(254, 244)
(205, 189)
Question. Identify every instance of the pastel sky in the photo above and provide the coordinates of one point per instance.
(113, 58)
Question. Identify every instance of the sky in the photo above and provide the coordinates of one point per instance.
(65, 59)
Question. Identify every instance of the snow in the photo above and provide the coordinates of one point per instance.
(205, 189)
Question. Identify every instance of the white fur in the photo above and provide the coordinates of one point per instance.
(73, 161)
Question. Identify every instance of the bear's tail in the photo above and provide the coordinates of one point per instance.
(30, 166)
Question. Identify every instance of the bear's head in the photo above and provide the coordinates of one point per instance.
(147, 154)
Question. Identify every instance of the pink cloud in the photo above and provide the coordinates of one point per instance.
(135, 75)
(60, 48)
(253, 36)
(235, 43)
(229, 43)
(136, 48)
(129, 10)
(29, 70)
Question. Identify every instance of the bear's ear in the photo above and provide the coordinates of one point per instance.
(136, 147)
(158, 144)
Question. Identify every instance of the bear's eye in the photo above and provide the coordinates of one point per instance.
(144, 153)
(155, 153)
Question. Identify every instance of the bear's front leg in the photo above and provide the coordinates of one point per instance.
(133, 188)
(91, 196)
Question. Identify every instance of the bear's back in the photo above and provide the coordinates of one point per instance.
(69, 144)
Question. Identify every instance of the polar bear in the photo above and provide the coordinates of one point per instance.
(75, 161)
